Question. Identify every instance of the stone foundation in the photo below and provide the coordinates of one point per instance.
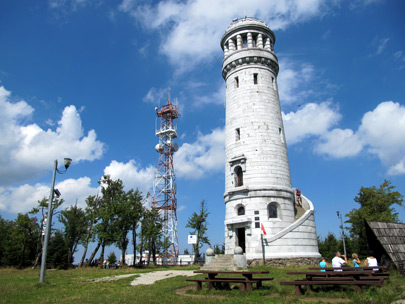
(285, 262)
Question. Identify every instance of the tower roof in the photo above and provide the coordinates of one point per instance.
(245, 24)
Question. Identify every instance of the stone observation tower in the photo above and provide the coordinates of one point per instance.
(258, 187)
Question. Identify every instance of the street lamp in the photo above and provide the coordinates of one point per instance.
(343, 233)
(67, 162)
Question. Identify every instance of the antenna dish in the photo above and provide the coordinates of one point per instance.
(159, 148)
(175, 147)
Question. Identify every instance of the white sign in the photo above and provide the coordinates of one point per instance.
(192, 239)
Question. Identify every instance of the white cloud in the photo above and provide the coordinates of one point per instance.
(382, 43)
(339, 143)
(216, 98)
(383, 132)
(156, 96)
(27, 150)
(132, 175)
(25, 197)
(204, 156)
(312, 119)
(294, 80)
(190, 31)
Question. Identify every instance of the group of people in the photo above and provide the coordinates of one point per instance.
(340, 259)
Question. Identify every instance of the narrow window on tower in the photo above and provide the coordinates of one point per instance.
(237, 134)
(238, 176)
(241, 210)
(255, 78)
(237, 82)
(281, 135)
(273, 82)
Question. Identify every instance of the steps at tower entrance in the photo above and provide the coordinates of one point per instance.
(221, 262)
(299, 211)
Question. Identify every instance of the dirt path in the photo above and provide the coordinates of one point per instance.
(151, 277)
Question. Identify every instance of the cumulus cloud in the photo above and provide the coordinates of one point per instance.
(294, 80)
(312, 120)
(132, 175)
(381, 133)
(205, 155)
(23, 198)
(190, 30)
(339, 143)
(27, 150)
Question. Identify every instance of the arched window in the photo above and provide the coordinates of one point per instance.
(238, 176)
(241, 210)
(273, 210)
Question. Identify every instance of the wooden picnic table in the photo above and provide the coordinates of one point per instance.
(348, 268)
(245, 278)
(349, 277)
(354, 275)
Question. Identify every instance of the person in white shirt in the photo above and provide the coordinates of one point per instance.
(337, 261)
(371, 261)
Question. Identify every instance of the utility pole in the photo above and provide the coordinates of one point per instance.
(343, 232)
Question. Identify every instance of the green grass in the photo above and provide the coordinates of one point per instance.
(75, 286)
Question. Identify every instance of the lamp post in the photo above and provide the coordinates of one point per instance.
(67, 162)
(343, 233)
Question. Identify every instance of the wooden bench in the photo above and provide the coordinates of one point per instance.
(257, 280)
(245, 284)
(331, 281)
(244, 277)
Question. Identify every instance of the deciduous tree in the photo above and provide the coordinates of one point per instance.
(376, 204)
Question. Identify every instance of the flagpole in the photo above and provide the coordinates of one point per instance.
(264, 260)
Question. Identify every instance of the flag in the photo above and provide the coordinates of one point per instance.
(264, 230)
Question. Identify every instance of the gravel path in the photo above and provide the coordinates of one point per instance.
(151, 277)
(148, 278)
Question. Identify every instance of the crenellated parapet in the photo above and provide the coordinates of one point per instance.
(245, 37)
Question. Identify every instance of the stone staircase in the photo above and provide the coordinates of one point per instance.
(221, 262)
(299, 211)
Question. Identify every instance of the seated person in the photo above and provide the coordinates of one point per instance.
(337, 261)
(356, 260)
(323, 264)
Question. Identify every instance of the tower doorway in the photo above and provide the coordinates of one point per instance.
(241, 240)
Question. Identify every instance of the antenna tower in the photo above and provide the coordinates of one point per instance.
(164, 187)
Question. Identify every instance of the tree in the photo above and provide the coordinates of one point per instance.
(112, 259)
(75, 222)
(136, 212)
(92, 203)
(6, 228)
(329, 245)
(42, 209)
(20, 245)
(112, 192)
(218, 249)
(58, 252)
(122, 222)
(375, 205)
(151, 233)
(198, 222)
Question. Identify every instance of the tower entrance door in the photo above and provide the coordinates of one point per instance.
(241, 240)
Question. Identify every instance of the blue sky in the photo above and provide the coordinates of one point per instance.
(81, 79)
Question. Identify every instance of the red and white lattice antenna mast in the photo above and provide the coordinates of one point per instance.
(164, 187)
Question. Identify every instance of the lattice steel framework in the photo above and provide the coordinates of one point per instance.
(164, 187)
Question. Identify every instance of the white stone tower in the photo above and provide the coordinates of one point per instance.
(258, 187)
